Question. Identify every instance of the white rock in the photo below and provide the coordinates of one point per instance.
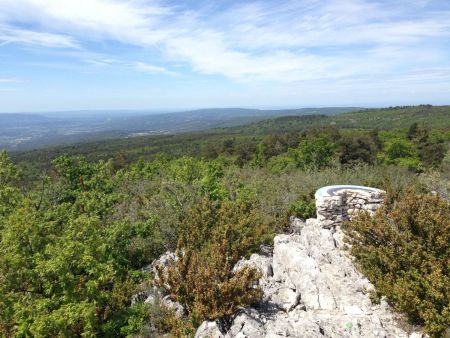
(246, 323)
(315, 291)
(162, 264)
(175, 306)
(262, 263)
(285, 298)
(296, 225)
(209, 330)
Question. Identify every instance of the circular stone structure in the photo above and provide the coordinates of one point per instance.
(338, 203)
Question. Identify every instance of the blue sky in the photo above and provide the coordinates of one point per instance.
(163, 55)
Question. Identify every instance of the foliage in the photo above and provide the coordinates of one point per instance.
(356, 148)
(9, 193)
(400, 152)
(304, 207)
(405, 251)
(212, 239)
(64, 269)
(164, 319)
(316, 152)
(244, 139)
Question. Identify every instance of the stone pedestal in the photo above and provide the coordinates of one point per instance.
(338, 203)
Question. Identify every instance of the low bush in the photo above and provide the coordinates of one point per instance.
(405, 252)
(213, 237)
(304, 207)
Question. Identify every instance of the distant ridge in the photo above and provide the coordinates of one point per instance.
(37, 130)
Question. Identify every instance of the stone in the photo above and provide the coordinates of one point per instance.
(338, 203)
(315, 290)
(416, 335)
(285, 298)
(139, 297)
(209, 330)
(296, 225)
(262, 263)
(162, 264)
(175, 306)
(246, 323)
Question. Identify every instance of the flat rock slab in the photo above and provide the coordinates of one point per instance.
(333, 190)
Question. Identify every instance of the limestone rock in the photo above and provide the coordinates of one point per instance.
(285, 298)
(163, 262)
(262, 263)
(314, 291)
(296, 225)
(209, 330)
(246, 323)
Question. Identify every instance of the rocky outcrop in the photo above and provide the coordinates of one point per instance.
(338, 203)
(311, 289)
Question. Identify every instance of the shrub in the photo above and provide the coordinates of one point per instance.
(65, 268)
(304, 207)
(316, 152)
(405, 251)
(213, 237)
(356, 148)
(9, 192)
(281, 164)
(401, 152)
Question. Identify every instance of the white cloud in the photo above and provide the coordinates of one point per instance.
(10, 80)
(24, 36)
(152, 69)
(126, 21)
(101, 61)
(286, 41)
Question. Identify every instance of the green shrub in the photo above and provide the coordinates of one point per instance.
(9, 192)
(401, 152)
(280, 164)
(405, 251)
(66, 268)
(315, 152)
(213, 237)
(304, 207)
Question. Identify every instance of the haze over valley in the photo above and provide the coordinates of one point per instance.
(32, 130)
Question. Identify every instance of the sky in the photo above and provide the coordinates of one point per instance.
(166, 55)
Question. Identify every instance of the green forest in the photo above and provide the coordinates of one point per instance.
(79, 223)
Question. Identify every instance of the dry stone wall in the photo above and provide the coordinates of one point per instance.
(338, 203)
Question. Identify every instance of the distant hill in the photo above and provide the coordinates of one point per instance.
(190, 142)
(32, 131)
(16, 120)
(395, 117)
(382, 118)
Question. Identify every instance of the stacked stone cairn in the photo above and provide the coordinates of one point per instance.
(338, 203)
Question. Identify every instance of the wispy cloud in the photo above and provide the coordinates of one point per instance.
(101, 61)
(24, 36)
(135, 22)
(10, 80)
(152, 69)
(289, 41)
